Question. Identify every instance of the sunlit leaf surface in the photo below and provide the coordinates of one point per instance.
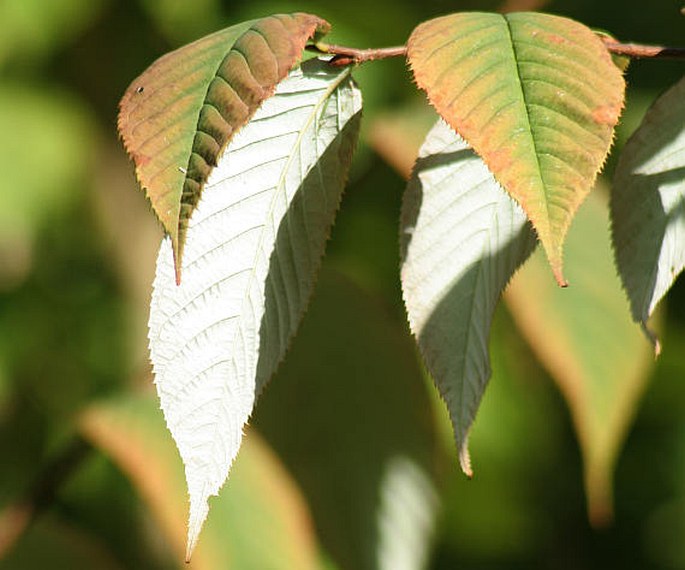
(462, 239)
(586, 340)
(536, 96)
(254, 246)
(179, 115)
(648, 204)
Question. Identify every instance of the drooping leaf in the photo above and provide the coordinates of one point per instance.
(462, 239)
(254, 246)
(261, 506)
(583, 335)
(536, 96)
(350, 416)
(648, 205)
(178, 116)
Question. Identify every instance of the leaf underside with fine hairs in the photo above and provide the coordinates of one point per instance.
(178, 116)
(254, 246)
(648, 205)
(462, 239)
(536, 96)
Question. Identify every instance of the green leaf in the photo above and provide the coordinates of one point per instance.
(536, 96)
(583, 335)
(462, 240)
(253, 249)
(178, 116)
(648, 205)
(261, 506)
(350, 416)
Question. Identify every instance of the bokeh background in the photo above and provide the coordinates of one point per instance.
(349, 461)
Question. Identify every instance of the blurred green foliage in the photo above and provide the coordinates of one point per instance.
(77, 247)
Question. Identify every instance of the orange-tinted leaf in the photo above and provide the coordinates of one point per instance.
(584, 336)
(178, 116)
(536, 96)
(261, 506)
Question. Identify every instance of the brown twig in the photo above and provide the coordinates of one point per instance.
(17, 517)
(643, 51)
(344, 55)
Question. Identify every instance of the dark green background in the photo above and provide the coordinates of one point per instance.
(77, 248)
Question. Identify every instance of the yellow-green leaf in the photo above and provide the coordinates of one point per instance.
(536, 96)
(585, 338)
(262, 505)
(178, 116)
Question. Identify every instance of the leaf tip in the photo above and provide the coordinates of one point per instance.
(465, 459)
(652, 338)
(199, 509)
(558, 272)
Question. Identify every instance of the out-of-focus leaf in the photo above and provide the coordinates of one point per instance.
(584, 337)
(254, 248)
(648, 205)
(33, 28)
(397, 136)
(50, 543)
(462, 238)
(178, 116)
(350, 416)
(260, 519)
(536, 96)
(44, 157)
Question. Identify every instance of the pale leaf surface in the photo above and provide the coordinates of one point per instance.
(254, 246)
(648, 204)
(462, 239)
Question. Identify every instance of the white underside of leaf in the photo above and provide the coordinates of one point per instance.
(462, 240)
(253, 247)
(648, 204)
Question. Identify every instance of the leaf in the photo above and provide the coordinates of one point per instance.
(262, 505)
(178, 116)
(536, 96)
(586, 340)
(462, 238)
(349, 415)
(648, 205)
(254, 246)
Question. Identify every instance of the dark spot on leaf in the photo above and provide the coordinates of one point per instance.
(140, 89)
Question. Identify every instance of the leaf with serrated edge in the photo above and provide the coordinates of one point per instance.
(584, 337)
(536, 96)
(178, 116)
(648, 205)
(462, 239)
(253, 248)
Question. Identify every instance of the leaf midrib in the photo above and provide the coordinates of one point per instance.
(296, 145)
(529, 129)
